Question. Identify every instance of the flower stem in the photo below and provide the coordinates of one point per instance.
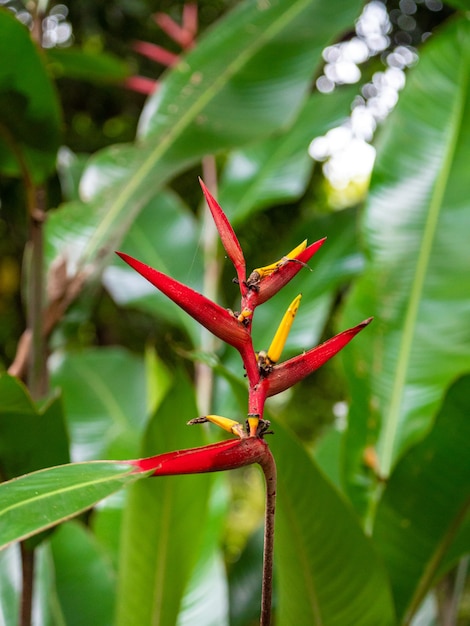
(268, 466)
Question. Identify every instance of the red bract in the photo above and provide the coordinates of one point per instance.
(288, 373)
(227, 235)
(216, 457)
(216, 319)
(265, 377)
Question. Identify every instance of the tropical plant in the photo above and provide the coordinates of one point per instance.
(372, 521)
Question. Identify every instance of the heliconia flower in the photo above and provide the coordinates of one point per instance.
(155, 53)
(287, 374)
(216, 457)
(183, 35)
(231, 426)
(286, 269)
(274, 351)
(219, 321)
(141, 84)
(227, 236)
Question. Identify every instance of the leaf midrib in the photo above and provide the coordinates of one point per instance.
(167, 140)
(417, 287)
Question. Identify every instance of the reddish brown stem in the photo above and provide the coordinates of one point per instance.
(268, 466)
(27, 563)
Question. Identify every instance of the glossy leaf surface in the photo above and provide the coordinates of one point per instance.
(425, 504)
(327, 570)
(277, 169)
(78, 557)
(29, 108)
(37, 501)
(105, 396)
(416, 284)
(244, 80)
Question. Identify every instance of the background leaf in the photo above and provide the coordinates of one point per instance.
(163, 523)
(106, 400)
(244, 80)
(327, 570)
(30, 438)
(278, 169)
(425, 503)
(29, 109)
(85, 580)
(416, 281)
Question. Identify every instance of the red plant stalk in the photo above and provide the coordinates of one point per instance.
(265, 376)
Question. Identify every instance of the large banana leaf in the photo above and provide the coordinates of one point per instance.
(425, 504)
(277, 169)
(416, 232)
(327, 570)
(246, 78)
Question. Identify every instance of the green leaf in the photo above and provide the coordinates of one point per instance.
(205, 602)
(245, 579)
(164, 519)
(278, 169)
(97, 67)
(105, 396)
(10, 574)
(84, 580)
(415, 229)
(34, 502)
(425, 504)
(327, 570)
(29, 108)
(245, 79)
(166, 236)
(30, 438)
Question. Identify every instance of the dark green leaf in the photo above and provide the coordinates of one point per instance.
(425, 504)
(245, 579)
(29, 109)
(97, 67)
(85, 582)
(30, 438)
(327, 571)
(416, 284)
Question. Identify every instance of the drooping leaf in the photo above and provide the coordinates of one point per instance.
(415, 229)
(29, 108)
(30, 438)
(425, 504)
(38, 501)
(163, 521)
(245, 79)
(326, 569)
